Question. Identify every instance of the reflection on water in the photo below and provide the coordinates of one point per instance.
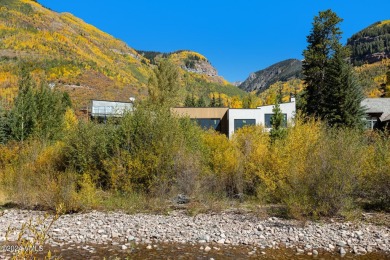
(181, 251)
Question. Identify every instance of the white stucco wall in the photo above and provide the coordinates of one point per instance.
(259, 114)
(239, 113)
(287, 108)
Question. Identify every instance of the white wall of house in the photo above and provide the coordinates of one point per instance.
(259, 115)
(287, 108)
(242, 114)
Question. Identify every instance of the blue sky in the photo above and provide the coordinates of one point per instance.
(238, 37)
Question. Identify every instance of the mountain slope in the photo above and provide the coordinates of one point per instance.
(79, 58)
(371, 44)
(281, 71)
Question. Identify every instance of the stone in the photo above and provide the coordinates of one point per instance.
(341, 244)
(182, 199)
(342, 251)
(207, 249)
(149, 247)
(315, 252)
(221, 241)
(362, 250)
(123, 247)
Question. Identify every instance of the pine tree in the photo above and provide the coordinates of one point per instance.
(322, 42)
(201, 102)
(278, 122)
(343, 93)
(332, 91)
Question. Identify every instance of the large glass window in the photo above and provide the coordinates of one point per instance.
(267, 120)
(239, 123)
(207, 123)
(371, 122)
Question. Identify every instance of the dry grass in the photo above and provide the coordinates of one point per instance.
(3, 197)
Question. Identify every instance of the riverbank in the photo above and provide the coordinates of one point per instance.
(123, 231)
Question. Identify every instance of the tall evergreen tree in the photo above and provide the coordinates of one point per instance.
(343, 94)
(322, 43)
(332, 89)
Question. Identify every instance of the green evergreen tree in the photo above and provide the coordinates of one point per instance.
(322, 43)
(278, 122)
(201, 102)
(343, 93)
(332, 89)
(163, 85)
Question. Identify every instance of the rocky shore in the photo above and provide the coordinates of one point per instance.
(204, 230)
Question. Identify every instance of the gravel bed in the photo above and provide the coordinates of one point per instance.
(123, 230)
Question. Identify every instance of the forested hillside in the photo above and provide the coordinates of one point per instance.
(371, 44)
(79, 58)
(282, 71)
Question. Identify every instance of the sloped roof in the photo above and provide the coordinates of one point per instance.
(378, 106)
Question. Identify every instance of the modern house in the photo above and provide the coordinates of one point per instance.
(377, 113)
(228, 120)
(103, 109)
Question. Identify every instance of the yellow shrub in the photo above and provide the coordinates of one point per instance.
(253, 144)
(223, 167)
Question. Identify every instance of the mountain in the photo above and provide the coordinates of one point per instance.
(371, 44)
(281, 71)
(84, 61)
(189, 61)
